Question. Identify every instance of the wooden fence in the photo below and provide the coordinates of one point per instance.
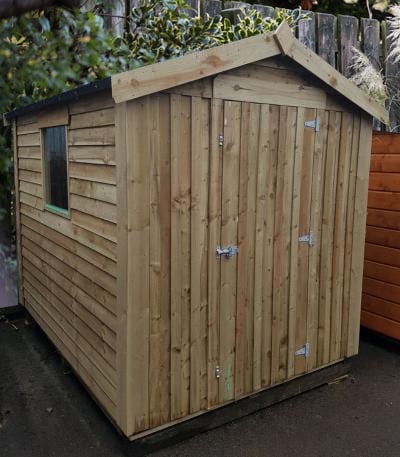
(332, 37)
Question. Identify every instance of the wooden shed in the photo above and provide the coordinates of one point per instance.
(381, 287)
(192, 232)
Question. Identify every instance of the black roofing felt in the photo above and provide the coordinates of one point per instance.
(65, 97)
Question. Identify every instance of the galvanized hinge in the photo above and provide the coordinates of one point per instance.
(227, 252)
(221, 139)
(315, 124)
(309, 238)
(217, 372)
(304, 351)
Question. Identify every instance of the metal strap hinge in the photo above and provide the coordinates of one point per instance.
(217, 372)
(227, 252)
(309, 238)
(304, 351)
(315, 124)
(221, 139)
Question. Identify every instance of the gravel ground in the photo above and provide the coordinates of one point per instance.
(44, 411)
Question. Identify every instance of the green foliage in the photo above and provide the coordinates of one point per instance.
(49, 52)
(164, 29)
(42, 55)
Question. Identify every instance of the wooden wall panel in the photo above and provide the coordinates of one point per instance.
(69, 269)
(381, 291)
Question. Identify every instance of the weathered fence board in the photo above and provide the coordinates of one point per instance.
(306, 32)
(326, 37)
(348, 38)
(392, 72)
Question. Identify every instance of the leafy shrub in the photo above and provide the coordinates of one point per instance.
(48, 52)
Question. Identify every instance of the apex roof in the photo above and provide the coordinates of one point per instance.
(164, 75)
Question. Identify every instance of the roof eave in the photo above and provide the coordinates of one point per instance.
(65, 97)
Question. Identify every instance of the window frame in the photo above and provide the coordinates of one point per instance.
(66, 213)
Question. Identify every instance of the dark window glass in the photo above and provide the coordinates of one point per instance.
(55, 158)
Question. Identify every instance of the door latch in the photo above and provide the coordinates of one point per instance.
(227, 252)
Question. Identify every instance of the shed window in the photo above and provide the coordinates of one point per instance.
(55, 169)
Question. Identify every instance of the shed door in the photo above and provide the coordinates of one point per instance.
(276, 190)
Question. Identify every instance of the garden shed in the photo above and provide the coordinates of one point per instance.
(192, 231)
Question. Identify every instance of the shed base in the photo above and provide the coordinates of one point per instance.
(209, 420)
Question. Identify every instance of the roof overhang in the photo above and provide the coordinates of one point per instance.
(191, 67)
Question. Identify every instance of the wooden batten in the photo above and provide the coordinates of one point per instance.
(53, 117)
(17, 214)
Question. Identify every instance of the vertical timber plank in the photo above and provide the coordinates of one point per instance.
(211, 7)
(214, 233)
(278, 267)
(17, 214)
(268, 141)
(138, 191)
(340, 235)
(294, 245)
(371, 46)
(229, 225)
(315, 227)
(289, 154)
(359, 228)
(246, 240)
(180, 254)
(199, 253)
(261, 172)
(258, 234)
(392, 71)
(328, 225)
(123, 310)
(349, 233)
(326, 37)
(159, 368)
(283, 209)
(370, 40)
(348, 38)
(304, 249)
(266, 11)
(307, 31)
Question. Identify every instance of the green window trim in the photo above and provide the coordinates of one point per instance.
(55, 169)
(57, 210)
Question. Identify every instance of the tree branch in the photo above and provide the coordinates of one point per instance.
(10, 8)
